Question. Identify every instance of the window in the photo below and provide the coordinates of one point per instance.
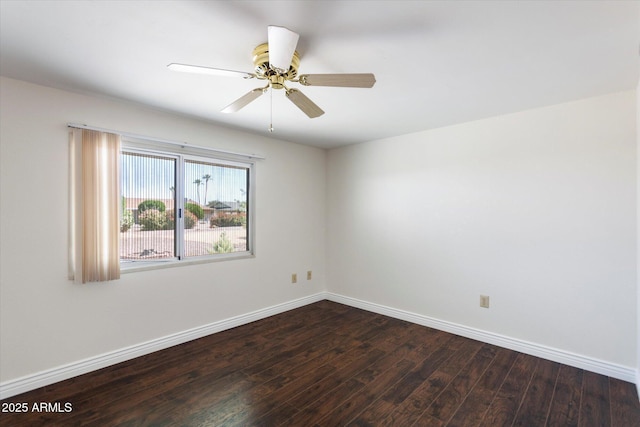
(181, 204)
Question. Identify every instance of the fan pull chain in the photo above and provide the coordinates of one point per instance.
(271, 117)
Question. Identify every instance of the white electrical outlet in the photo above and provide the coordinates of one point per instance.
(294, 278)
(484, 301)
(309, 275)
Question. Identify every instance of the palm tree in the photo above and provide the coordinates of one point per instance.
(206, 178)
(197, 182)
(243, 203)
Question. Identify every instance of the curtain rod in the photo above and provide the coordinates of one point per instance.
(164, 141)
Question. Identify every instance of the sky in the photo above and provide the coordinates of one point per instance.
(153, 177)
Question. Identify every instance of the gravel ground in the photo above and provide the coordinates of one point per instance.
(138, 244)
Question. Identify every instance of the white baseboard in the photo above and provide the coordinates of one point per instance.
(579, 361)
(50, 376)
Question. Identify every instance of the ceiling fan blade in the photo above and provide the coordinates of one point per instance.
(243, 101)
(207, 70)
(338, 80)
(282, 44)
(305, 104)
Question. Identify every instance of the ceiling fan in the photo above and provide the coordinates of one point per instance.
(277, 62)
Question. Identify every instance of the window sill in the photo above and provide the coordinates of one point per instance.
(151, 265)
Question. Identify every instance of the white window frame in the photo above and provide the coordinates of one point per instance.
(184, 153)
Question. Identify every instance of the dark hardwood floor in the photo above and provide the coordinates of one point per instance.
(327, 364)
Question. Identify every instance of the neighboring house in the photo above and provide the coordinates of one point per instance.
(222, 208)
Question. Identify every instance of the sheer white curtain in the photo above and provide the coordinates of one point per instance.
(94, 206)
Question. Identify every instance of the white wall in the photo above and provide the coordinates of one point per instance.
(638, 231)
(47, 321)
(536, 209)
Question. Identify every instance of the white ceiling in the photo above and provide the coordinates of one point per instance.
(436, 63)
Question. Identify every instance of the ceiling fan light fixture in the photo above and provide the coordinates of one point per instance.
(264, 71)
(282, 45)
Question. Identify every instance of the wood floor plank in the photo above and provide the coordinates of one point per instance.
(472, 410)
(504, 406)
(277, 392)
(413, 407)
(396, 395)
(373, 326)
(328, 364)
(377, 378)
(400, 392)
(625, 404)
(270, 367)
(595, 409)
(407, 412)
(413, 342)
(325, 404)
(446, 404)
(175, 403)
(335, 379)
(274, 418)
(272, 405)
(274, 393)
(534, 409)
(306, 373)
(565, 408)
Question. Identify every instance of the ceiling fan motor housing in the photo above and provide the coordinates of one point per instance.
(264, 71)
